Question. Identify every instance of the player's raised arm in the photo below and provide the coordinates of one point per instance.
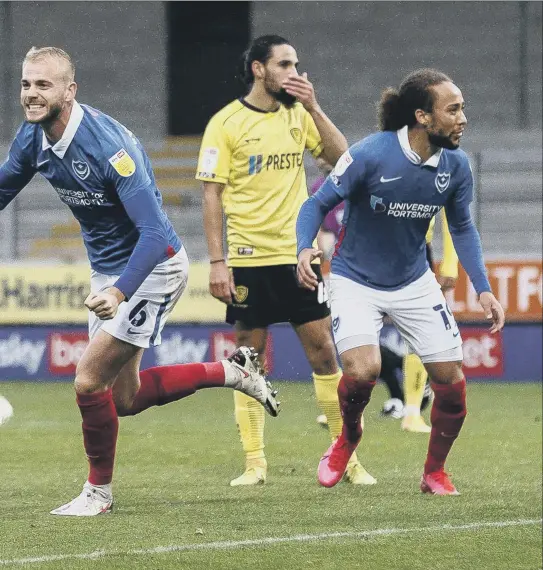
(333, 142)
(467, 243)
(15, 173)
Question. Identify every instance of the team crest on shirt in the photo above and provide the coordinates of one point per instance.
(123, 163)
(296, 135)
(443, 179)
(241, 293)
(81, 169)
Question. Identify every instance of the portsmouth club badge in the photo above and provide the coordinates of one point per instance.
(81, 169)
(443, 179)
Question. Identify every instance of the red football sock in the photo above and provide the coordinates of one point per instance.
(100, 428)
(353, 398)
(447, 416)
(165, 384)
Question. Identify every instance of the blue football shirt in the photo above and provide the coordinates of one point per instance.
(101, 172)
(390, 197)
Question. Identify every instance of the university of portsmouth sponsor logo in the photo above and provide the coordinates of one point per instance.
(407, 210)
(443, 179)
(81, 169)
(81, 197)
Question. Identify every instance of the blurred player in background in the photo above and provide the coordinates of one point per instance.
(394, 182)
(251, 166)
(139, 265)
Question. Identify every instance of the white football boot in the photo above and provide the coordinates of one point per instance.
(92, 501)
(243, 373)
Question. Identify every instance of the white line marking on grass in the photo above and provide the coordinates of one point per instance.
(232, 544)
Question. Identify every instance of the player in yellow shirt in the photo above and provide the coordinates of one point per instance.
(251, 165)
(414, 373)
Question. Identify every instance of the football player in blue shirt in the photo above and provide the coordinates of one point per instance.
(139, 266)
(393, 183)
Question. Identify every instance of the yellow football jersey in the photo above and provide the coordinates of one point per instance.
(258, 155)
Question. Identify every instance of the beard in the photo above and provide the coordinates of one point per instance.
(280, 95)
(285, 98)
(442, 141)
(54, 111)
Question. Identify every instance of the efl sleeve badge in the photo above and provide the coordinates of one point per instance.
(123, 163)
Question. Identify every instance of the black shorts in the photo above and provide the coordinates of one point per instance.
(272, 294)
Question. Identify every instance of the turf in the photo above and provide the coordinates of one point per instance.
(174, 465)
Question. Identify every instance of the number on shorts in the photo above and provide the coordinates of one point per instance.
(137, 315)
(443, 312)
(322, 293)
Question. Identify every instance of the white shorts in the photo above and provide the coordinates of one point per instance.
(140, 320)
(419, 311)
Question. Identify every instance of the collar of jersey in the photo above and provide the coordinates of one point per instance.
(411, 155)
(253, 108)
(60, 147)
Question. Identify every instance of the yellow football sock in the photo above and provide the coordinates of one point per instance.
(326, 392)
(327, 398)
(414, 381)
(250, 416)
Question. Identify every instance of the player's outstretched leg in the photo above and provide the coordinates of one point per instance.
(447, 416)
(354, 395)
(164, 384)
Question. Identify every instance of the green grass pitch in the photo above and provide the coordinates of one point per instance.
(171, 489)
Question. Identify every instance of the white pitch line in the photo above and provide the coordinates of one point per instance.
(232, 544)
